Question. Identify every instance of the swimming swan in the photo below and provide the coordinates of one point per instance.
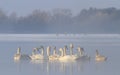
(37, 56)
(19, 56)
(82, 55)
(74, 56)
(54, 56)
(99, 57)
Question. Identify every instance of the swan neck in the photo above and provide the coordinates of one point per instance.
(80, 53)
(71, 51)
(97, 53)
(48, 51)
(54, 52)
(42, 52)
(18, 50)
(64, 52)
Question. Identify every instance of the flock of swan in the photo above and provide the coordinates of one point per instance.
(63, 55)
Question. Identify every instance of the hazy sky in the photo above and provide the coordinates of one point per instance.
(23, 7)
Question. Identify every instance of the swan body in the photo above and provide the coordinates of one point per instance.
(53, 57)
(37, 57)
(99, 57)
(65, 57)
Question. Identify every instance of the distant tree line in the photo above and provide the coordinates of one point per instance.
(90, 20)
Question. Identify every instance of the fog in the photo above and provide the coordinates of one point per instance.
(92, 20)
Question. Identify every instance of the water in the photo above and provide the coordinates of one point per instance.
(107, 44)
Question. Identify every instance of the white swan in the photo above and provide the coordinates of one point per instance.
(99, 57)
(82, 55)
(81, 51)
(64, 49)
(18, 54)
(74, 56)
(37, 56)
(54, 56)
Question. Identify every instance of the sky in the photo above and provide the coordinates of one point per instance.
(24, 7)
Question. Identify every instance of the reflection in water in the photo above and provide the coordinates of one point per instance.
(46, 67)
(55, 67)
(99, 65)
(16, 61)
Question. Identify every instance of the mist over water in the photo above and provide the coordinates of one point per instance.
(107, 44)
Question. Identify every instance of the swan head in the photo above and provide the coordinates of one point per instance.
(65, 47)
(55, 48)
(35, 50)
(82, 49)
(41, 47)
(19, 48)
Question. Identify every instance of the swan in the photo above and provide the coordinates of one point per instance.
(99, 57)
(54, 56)
(74, 56)
(81, 51)
(19, 56)
(64, 57)
(37, 56)
(82, 55)
(55, 53)
(64, 49)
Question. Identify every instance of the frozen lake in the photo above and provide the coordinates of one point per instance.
(107, 44)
